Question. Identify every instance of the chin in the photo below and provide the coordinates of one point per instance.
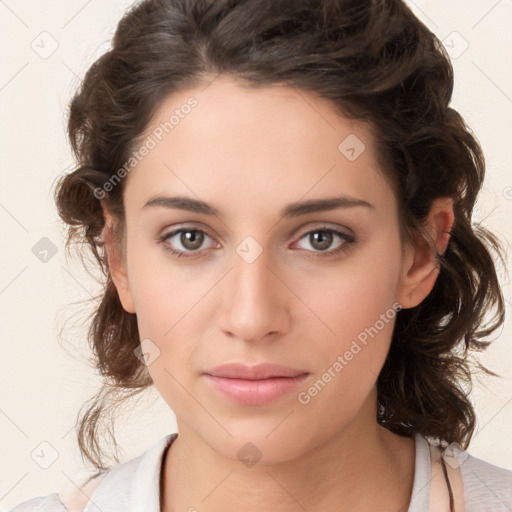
(259, 444)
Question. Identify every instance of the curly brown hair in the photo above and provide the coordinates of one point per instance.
(376, 62)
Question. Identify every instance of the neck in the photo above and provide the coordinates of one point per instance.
(354, 470)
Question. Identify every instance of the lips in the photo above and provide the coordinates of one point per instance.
(260, 371)
(254, 385)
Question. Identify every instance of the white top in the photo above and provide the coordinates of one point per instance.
(133, 486)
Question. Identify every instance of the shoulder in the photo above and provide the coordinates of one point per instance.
(486, 487)
(131, 484)
(75, 497)
(72, 497)
(48, 503)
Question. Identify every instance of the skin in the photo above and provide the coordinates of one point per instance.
(249, 152)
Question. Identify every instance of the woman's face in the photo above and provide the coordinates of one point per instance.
(315, 290)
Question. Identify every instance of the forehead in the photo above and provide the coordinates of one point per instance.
(255, 146)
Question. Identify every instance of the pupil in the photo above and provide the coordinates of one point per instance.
(191, 239)
(322, 239)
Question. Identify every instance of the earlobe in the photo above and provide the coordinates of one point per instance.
(117, 263)
(420, 266)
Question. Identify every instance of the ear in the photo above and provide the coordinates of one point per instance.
(117, 262)
(420, 267)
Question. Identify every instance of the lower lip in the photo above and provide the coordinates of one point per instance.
(255, 392)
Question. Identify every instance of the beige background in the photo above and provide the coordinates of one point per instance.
(43, 385)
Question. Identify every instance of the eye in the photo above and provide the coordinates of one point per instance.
(320, 239)
(190, 240)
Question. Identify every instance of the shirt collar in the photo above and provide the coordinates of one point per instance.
(145, 491)
(144, 488)
(420, 497)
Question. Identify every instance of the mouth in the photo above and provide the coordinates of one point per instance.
(254, 385)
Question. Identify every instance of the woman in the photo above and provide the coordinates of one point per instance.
(280, 197)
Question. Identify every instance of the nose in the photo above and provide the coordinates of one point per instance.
(255, 305)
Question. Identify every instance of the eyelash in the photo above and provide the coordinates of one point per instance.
(348, 240)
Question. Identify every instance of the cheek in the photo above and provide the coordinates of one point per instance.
(165, 312)
(163, 292)
(354, 296)
(164, 303)
(357, 307)
(169, 303)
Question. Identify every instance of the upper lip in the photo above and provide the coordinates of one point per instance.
(256, 372)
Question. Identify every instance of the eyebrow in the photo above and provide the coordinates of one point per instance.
(291, 210)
